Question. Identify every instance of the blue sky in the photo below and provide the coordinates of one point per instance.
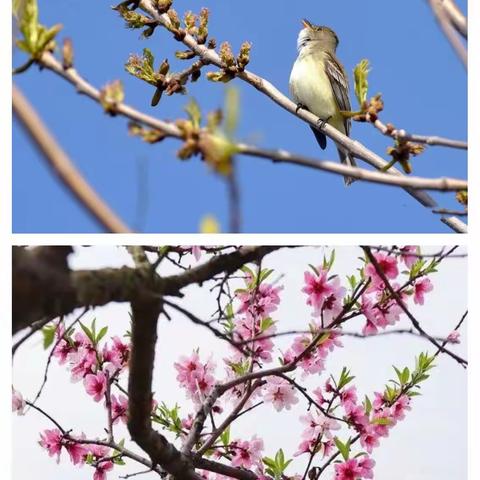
(422, 81)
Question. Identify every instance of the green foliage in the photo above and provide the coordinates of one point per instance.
(36, 38)
(276, 466)
(407, 380)
(328, 264)
(142, 67)
(225, 437)
(168, 418)
(345, 378)
(48, 333)
(360, 74)
(92, 334)
(343, 448)
(194, 114)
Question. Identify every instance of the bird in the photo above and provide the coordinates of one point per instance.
(319, 84)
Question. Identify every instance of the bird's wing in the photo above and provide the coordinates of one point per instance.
(339, 82)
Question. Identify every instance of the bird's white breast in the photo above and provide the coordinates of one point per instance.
(310, 86)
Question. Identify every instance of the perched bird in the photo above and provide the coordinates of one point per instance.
(318, 83)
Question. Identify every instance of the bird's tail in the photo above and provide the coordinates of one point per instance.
(347, 159)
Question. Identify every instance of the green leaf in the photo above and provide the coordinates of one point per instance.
(314, 269)
(225, 437)
(101, 334)
(193, 110)
(266, 323)
(229, 310)
(360, 74)
(368, 405)
(381, 421)
(87, 332)
(48, 332)
(264, 274)
(343, 448)
(345, 378)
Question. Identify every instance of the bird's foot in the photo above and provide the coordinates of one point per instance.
(321, 122)
(300, 106)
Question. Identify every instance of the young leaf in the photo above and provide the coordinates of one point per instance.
(343, 448)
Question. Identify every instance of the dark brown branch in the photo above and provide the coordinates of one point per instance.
(42, 289)
(145, 312)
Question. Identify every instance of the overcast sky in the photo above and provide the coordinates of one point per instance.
(429, 444)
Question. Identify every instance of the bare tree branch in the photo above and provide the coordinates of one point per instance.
(449, 28)
(458, 19)
(145, 312)
(280, 156)
(44, 287)
(63, 167)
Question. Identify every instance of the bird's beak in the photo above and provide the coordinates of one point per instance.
(306, 23)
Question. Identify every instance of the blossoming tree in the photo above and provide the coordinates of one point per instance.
(265, 366)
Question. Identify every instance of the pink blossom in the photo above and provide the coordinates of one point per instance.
(187, 422)
(388, 314)
(197, 252)
(101, 469)
(379, 401)
(317, 423)
(250, 327)
(118, 354)
(18, 403)
(369, 438)
(421, 287)
(82, 361)
(333, 303)
(259, 302)
(77, 451)
(384, 415)
(280, 393)
(318, 289)
(349, 470)
(196, 377)
(454, 337)
(314, 361)
(407, 257)
(366, 464)
(388, 266)
(369, 311)
(119, 408)
(247, 453)
(61, 351)
(319, 396)
(400, 406)
(309, 445)
(349, 395)
(98, 451)
(95, 385)
(355, 414)
(51, 440)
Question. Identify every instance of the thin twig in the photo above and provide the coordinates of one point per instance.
(405, 309)
(432, 140)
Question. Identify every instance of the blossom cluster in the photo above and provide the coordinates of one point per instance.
(96, 366)
(99, 456)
